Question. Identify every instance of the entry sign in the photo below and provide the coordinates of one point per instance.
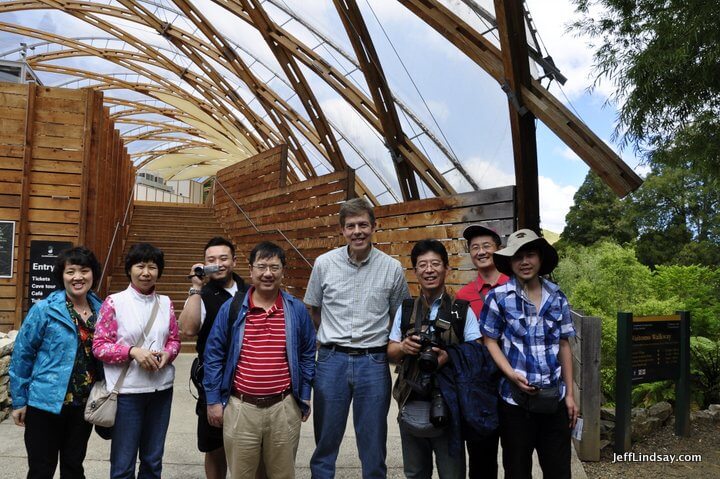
(42, 261)
(655, 351)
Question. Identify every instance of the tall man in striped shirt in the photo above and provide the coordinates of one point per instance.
(354, 292)
(259, 369)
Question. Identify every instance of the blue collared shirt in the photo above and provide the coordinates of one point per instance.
(471, 331)
(530, 338)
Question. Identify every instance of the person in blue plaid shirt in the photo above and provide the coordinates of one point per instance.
(526, 325)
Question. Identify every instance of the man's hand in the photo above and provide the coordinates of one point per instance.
(215, 415)
(147, 359)
(442, 356)
(19, 416)
(307, 414)
(410, 345)
(197, 283)
(522, 383)
(572, 409)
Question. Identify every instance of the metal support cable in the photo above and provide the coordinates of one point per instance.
(255, 226)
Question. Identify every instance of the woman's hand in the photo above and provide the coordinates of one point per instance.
(149, 360)
(19, 416)
(164, 358)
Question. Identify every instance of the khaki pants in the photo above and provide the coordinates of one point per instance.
(252, 434)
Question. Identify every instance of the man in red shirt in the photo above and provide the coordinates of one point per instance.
(259, 368)
(482, 243)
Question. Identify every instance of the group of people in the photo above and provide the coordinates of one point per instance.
(491, 364)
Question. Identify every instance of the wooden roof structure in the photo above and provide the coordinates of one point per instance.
(202, 101)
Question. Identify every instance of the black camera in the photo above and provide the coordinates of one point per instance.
(428, 359)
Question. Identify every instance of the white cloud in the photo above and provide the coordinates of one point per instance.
(571, 53)
(487, 174)
(555, 202)
(568, 154)
(440, 109)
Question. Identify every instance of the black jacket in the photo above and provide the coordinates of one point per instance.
(213, 296)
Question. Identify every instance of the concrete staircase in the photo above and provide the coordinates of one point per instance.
(181, 232)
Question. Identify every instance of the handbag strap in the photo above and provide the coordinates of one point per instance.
(141, 339)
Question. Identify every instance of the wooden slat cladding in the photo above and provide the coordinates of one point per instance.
(307, 214)
(59, 179)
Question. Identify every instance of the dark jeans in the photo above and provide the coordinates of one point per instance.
(48, 435)
(482, 457)
(140, 426)
(522, 431)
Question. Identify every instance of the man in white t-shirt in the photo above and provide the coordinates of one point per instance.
(207, 294)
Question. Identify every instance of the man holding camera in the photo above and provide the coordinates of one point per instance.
(422, 328)
(213, 283)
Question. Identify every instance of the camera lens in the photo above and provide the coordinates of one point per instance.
(428, 360)
(199, 271)
(438, 410)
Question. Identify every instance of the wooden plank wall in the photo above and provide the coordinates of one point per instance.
(59, 176)
(307, 214)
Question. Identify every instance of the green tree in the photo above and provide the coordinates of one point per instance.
(663, 57)
(597, 214)
(676, 213)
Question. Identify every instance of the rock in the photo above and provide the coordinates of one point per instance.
(4, 365)
(607, 428)
(661, 410)
(607, 413)
(643, 427)
(4, 379)
(715, 415)
(12, 334)
(3, 396)
(638, 412)
(6, 346)
(604, 443)
(701, 416)
(714, 407)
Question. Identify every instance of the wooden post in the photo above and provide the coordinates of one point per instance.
(623, 383)
(682, 386)
(516, 68)
(24, 224)
(586, 376)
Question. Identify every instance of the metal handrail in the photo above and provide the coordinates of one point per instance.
(256, 228)
(112, 242)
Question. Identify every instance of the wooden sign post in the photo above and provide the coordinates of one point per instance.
(651, 348)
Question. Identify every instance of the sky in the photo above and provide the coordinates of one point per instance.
(459, 101)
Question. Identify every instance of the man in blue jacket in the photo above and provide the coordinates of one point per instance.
(259, 368)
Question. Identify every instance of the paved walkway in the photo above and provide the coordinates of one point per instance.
(182, 459)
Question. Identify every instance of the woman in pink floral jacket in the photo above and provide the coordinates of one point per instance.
(145, 395)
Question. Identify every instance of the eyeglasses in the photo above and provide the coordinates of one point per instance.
(490, 247)
(274, 268)
(422, 266)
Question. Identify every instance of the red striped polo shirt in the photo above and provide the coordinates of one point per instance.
(262, 368)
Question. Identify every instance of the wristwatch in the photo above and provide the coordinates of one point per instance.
(192, 291)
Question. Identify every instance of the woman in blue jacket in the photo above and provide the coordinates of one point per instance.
(53, 369)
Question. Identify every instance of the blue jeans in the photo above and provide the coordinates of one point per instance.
(364, 380)
(140, 425)
(418, 457)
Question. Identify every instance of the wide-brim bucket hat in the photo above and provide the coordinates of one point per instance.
(526, 239)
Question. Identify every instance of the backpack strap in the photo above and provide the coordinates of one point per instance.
(407, 309)
(458, 313)
(235, 307)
